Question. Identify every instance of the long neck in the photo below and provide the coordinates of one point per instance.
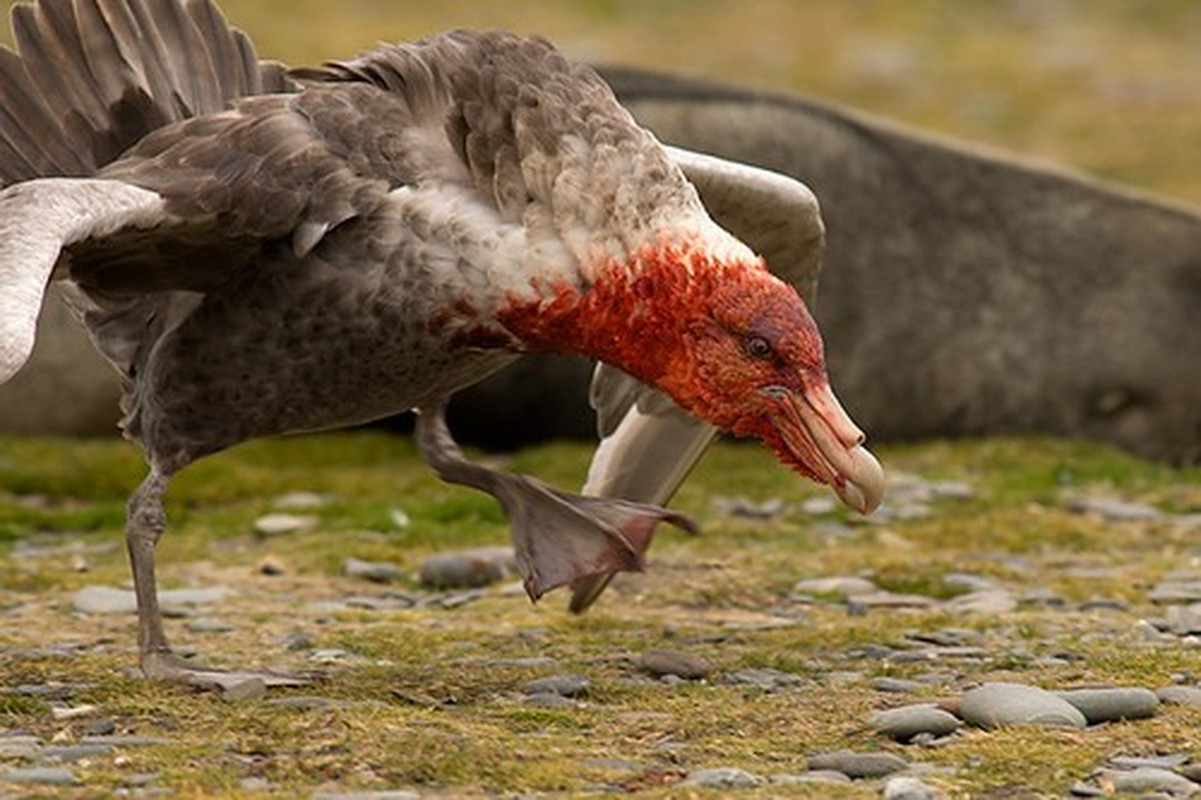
(638, 315)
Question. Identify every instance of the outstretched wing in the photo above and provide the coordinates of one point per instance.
(648, 444)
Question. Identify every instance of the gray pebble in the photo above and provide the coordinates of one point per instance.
(1183, 620)
(387, 794)
(840, 586)
(1151, 779)
(897, 685)
(996, 704)
(858, 765)
(1169, 761)
(19, 747)
(1113, 509)
(562, 685)
(985, 601)
(662, 662)
(237, 691)
(813, 776)
(467, 569)
(767, 679)
(548, 700)
(283, 524)
(724, 778)
(300, 501)
(75, 752)
(1191, 771)
(1106, 705)
(111, 600)
(1176, 591)
(885, 599)
(1179, 695)
(906, 722)
(48, 776)
(377, 571)
(905, 787)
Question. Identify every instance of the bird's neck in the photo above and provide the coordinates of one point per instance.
(637, 315)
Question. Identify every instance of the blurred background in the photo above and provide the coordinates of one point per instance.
(1110, 86)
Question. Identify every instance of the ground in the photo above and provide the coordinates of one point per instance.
(426, 690)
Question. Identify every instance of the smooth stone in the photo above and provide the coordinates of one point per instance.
(20, 747)
(467, 569)
(994, 705)
(1192, 772)
(969, 582)
(48, 776)
(243, 689)
(897, 685)
(766, 678)
(1183, 620)
(858, 765)
(283, 524)
(1152, 779)
(562, 685)
(75, 752)
(111, 600)
(724, 778)
(663, 662)
(376, 571)
(885, 599)
(1113, 509)
(813, 776)
(1179, 695)
(300, 501)
(905, 787)
(985, 601)
(903, 723)
(1106, 705)
(1169, 761)
(387, 794)
(125, 740)
(548, 700)
(1176, 591)
(840, 586)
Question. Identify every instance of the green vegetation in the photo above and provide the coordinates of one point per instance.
(431, 698)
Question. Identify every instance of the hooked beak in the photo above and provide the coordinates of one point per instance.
(818, 433)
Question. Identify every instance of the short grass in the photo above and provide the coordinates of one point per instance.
(433, 699)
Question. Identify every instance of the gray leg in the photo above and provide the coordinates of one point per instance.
(145, 523)
(558, 537)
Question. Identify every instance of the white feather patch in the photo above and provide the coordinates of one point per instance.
(37, 220)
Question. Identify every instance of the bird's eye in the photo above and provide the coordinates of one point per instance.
(758, 347)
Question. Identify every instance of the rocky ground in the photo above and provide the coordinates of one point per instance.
(1022, 619)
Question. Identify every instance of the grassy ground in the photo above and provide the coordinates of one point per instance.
(433, 696)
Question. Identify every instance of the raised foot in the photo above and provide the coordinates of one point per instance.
(167, 666)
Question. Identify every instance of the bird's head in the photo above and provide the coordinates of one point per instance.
(752, 364)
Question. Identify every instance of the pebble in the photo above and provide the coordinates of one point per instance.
(209, 626)
(283, 524)
(897, 685)
(562, 685)
(858, 765)
(1151, 779)
(1176, 590)
(997, 704)
(387, 794)
(467, 569)
(1183, 620)
(376, 571)
(906, 722)
(724, 778)
(1180, 695)
(813, 776)
(663, 662)
(984, 601)
(47, 776)
(766, 678)
(1107, 705)
(886, 599)
(840, 586)
(1113, 509)
(905, 787)
(244, 689)
(300, 501)
(111, 600)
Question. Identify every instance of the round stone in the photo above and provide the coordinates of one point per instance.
(995, 705)
(1106, 705)
(903, 723)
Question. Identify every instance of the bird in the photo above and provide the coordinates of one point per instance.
(260, 250)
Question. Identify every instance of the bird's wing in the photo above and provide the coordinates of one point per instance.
(648, 444)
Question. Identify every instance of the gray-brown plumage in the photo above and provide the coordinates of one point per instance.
(258, 252)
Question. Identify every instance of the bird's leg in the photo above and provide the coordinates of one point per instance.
(145, 522)
(558, 537)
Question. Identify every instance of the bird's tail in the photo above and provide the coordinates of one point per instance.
(89, 78)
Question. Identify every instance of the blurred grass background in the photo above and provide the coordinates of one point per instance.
(1110, 86)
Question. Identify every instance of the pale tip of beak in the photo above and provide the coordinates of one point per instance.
(863, 487)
